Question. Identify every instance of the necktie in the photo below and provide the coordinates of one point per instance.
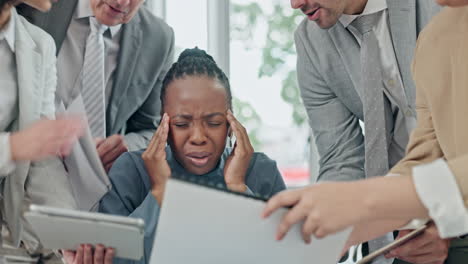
(93, 85)
(376, 112)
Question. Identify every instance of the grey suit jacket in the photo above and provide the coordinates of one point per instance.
(329, 75)
(146, 54)
(39, 182)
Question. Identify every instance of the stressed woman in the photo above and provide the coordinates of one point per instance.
(196, 125)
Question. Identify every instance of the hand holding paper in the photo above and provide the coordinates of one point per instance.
(323, 212)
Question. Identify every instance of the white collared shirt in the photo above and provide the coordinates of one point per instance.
(71, 55)
(390, 67)
(437, 189)
(8, 92)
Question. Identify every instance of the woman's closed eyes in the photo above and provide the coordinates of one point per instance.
(209, 123)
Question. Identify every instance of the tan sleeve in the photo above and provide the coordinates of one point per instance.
(423, 146)
(459, 168)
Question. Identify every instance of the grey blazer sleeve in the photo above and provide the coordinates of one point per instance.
(336, 129)
(142, 124)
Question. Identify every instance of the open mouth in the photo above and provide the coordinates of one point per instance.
(313, 15)
(198, 159)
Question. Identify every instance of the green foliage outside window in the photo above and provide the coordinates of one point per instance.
(279, 47)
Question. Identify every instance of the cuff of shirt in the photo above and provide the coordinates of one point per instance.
(7, 165)
(438, 190)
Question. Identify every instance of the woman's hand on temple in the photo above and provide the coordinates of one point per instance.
(155, 160)
(238, 162)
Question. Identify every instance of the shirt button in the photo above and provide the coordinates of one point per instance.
(391, 82)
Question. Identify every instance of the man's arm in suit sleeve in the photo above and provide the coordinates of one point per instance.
(142, 125)
(336, 130)
(131, 197)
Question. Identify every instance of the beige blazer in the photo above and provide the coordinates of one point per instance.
(440, 71)
(43, 182)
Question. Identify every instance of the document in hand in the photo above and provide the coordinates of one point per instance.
(198, 224)
(67, 229)
(88, 179)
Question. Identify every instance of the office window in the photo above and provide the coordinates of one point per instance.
(263, 77)
(189, 21)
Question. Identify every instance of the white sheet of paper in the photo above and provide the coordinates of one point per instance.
(202, 225)
(88, 179)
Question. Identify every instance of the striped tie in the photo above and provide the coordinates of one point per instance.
(93, 79)
(376, 113)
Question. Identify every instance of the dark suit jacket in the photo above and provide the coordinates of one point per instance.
(146, 54)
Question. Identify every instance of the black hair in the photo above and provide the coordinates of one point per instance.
(195, 62)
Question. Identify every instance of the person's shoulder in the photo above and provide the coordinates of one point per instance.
(129, 163)
(309, 29)
(261, 157)
(42, 40)
(310, 38)
(447, 26)
(131, 157)
(263, 176)
(260, 162)
(151, 24)
(154, 32)
(441, 40)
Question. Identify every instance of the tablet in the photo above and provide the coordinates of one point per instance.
(393, 245)
(66, 229)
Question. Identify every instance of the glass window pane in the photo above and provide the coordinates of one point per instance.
(263, 78)
(189, 21)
